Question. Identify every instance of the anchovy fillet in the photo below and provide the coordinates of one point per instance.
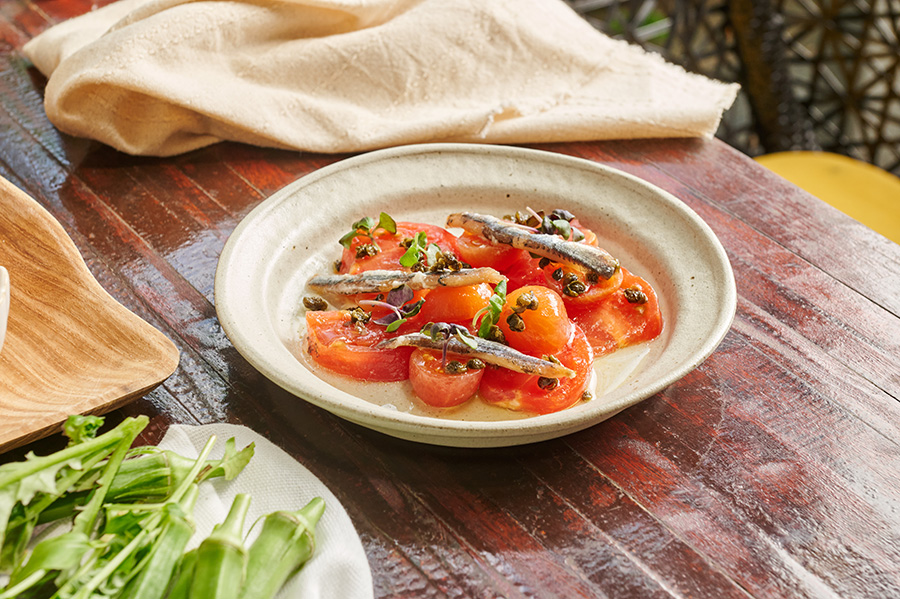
(552, 247)
(382, 281)
(488, 351)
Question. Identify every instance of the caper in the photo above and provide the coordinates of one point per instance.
(527, 301)
(359, 316)
(337, 266)
(454, 367)
(575, 288)
(475, 364)
(587, 395)
(495, 334)
(547, 384)
(592, 277)
(634, 295)
(515, 323)
(557, 274)
(367, 250)
(315, 303)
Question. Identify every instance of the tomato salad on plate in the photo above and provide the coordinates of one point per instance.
(511, 312)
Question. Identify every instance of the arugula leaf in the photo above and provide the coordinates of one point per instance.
(81, 428)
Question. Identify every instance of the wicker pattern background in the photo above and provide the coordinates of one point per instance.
(816, 74)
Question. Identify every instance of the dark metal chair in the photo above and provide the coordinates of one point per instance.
(816, 74)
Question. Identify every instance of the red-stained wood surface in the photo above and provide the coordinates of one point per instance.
(772, 470)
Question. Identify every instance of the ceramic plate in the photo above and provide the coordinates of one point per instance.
(293, 235)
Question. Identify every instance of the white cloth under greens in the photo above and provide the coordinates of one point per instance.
(161, 77)
(339, 568)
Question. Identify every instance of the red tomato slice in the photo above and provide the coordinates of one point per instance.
(547, 329)
(617, 322)
(521, 392)
(336, 344)
(524, 271)
(388, 258)
(437, 388)
(594, 293)
(478, 251)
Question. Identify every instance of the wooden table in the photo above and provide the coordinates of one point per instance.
(772, 470)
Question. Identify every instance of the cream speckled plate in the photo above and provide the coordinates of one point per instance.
(293, 235)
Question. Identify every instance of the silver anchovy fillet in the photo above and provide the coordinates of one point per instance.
(382, 281)
(552, 247)
(488, 351)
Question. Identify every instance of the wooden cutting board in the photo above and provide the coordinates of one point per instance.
(70, 347)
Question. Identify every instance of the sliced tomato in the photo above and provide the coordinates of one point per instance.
(455, 304)
(524, 271)
(437, 388)
(523, 392)
(349, 349)
(616, 321)
(390, 250)
(547, 328)
(478, 251)
(556, 277)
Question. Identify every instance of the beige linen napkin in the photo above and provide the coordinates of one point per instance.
(161, 77)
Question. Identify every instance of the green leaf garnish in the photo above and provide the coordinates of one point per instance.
(416, 247)
(490, 314)
(387, 223)
(366, 227)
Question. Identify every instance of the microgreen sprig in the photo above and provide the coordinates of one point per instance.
(443, 331)
(397, 302)
(367, 226)
(490, 314)
(417, 246)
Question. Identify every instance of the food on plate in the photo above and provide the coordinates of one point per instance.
(375, 281)
(130, 516)
(512, 311)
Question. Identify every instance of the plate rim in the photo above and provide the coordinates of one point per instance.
(463, 432)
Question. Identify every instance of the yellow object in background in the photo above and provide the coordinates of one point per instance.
(860, 190)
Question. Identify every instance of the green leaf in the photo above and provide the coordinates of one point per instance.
(563, 228)
(81, 428)
(412, 255)
(232, 463)
(347, 239)
(395, 325)
(53, 554)
(484, 329)
(387, 223)
(467, 339)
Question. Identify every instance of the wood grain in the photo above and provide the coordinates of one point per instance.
(770, 471)
(70, 347)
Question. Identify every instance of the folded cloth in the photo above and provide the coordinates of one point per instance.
(162, 77)
(338, 569)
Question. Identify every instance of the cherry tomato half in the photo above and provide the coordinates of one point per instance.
(338, 345)
(437, 388)
(524, 392)
(455, 304)
(545, 329)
